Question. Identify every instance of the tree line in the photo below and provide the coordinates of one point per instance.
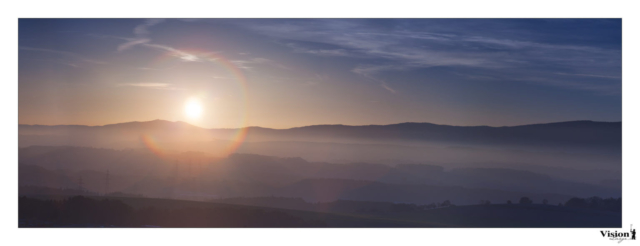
(80, 211)
(595, 202)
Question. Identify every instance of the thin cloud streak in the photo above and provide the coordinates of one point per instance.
(143, 29)
(65, 53)
(142, 32)
(591, 75)
(409, 49)
(132, 43)
(159, 86)
(369, 72)
(184, 56)
(320, 52)
(146, 84)
(244, 64)
(384, 85)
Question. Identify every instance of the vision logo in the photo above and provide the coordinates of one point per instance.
(620, 236)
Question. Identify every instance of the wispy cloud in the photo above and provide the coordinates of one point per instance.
(591, 75)
(384, 85)
(143, 29)
(64, 53)
(142, 38)
(132, 43)
(369, 72)
(182, 55)
(417, 45)
(398, 48)
(63, 62)
(161, 86)
(600, 88)
(316, 79)
(320, 52)
(245, 64)
(141, 32)
(151, 85)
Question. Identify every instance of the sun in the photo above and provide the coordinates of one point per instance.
(193, 108)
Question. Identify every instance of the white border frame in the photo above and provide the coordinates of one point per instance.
(333, 8)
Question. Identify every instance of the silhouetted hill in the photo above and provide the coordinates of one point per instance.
(575, 145)
(194, 175)
(591, 211)
(519, 215)
(326, 190)
(38, 176)
(81, 211)
(581, 133)
(123, 135)
(573, 133)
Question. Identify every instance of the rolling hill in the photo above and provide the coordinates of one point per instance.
(575, 133)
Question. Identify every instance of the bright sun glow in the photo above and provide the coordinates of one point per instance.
(193, 108)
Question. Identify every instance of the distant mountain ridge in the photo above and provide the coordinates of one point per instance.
(571, 133)
(159, 121)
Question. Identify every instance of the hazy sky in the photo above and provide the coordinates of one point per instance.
(284, 73)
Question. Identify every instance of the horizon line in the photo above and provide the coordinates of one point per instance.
(407, 122)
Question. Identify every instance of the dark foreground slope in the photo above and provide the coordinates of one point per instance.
(512, 215)
(82, 211)
(146, 212)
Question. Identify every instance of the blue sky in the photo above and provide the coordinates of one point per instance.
(320, 71)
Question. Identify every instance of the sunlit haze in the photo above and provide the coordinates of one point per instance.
(283, 73)
(343, 123)
(193, 109)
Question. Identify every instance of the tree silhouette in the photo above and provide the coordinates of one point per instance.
(509, 202)
(446, 203)
(576, 203)
(545, 201)
(525, 200)
(609, 204)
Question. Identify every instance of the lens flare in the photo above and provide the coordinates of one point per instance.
(151, 144)
(195, 110)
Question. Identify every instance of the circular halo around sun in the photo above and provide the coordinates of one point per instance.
(193, 108)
